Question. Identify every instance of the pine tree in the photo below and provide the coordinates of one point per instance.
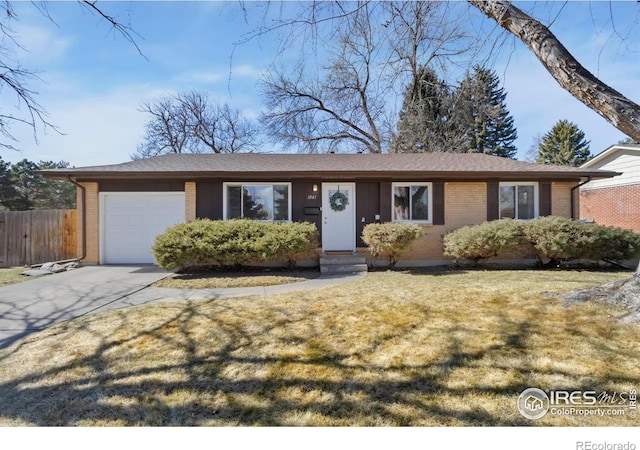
(564, 145)
(481, 107)
(425, 119)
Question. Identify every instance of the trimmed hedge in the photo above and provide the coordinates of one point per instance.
(206, 242)
(390, 239)
(487, 240)
(550, 238)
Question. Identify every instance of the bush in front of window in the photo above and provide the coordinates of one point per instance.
(612, 243)
(559, 239)
(206, 242)
(551, 239)
(390, 239)
(486, 240)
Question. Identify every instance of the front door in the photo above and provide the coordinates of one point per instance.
(338, 216)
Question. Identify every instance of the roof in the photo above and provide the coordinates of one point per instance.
(611, 152)
(325, 166)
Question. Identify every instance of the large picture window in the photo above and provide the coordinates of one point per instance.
(518, 201)
(412, 202)
(268, 202)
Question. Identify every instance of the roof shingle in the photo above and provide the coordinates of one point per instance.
(433, 164)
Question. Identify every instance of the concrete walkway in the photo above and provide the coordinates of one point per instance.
(36, 304)
(154, 294)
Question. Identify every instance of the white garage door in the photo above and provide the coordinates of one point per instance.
(130, 222)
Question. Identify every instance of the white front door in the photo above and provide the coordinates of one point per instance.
(338, 216)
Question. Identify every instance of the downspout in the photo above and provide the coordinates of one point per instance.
(84, 215)
(573, 196)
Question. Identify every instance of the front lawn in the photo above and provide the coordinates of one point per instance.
(12, 276)
(222, 279)
(414, 348)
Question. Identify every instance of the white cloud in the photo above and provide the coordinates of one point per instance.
(39, 45)
(98, 129)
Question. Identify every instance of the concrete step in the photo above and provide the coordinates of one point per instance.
(343, 268)
(342, 259)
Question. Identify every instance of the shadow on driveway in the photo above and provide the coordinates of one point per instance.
(39, 303)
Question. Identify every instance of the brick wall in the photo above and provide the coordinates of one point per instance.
(615, 206)
(92, 218)
(561, 198)
(189, 201)
(464, 204)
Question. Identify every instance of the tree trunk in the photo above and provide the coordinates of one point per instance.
(618, 110)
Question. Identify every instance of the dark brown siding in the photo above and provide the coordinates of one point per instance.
(545, 198)
(142, 186)
(385, 202)
(438, 203)
(305, 204)
(493, 200)
(367, 206)
(209, 200)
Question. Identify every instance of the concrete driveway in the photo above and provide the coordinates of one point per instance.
(39, 303)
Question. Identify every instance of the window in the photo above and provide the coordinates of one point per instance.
(266, 202)
(518, 201)
(412, 202)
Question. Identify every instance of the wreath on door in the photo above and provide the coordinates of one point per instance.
(338, 201)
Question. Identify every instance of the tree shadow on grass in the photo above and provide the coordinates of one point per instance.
(211, 363)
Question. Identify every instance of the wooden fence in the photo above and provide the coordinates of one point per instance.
(35, 237)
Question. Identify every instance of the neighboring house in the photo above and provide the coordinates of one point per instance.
(123, 207)
(614, 201)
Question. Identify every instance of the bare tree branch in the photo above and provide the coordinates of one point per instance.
(617, 109)
(189, 123)
(126, 31)
(26, 110)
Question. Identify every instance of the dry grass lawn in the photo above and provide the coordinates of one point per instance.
(214, 280)
(419, 349)
(12, 276)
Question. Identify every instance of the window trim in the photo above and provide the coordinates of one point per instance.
(226, 184)
(409, 184)
(536, 197)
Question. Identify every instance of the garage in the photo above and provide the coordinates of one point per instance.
(130, 222)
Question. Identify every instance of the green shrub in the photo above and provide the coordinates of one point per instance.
(486, 240)
(554, 239)
(610, 243)
(390, 239)
(233, 242)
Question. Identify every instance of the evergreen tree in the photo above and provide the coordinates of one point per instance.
(481, 108)
(564, 145)
(10, 198)
(628, 141)
(22, 189)
(425, 123)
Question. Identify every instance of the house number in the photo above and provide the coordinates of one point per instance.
(312, 196)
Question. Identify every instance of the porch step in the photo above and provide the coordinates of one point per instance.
(350, 263)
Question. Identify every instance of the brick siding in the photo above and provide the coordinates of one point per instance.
(92, 216)
(189, 201)
(614, 206)
(466, 204)
(561, 198)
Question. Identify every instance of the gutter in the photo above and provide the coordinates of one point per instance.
(573, 196)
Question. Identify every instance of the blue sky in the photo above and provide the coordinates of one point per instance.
(93, 80)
